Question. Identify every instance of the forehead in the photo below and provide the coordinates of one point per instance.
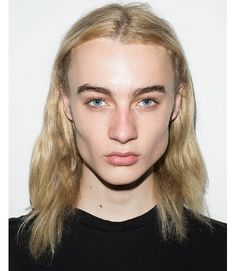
(112, 64)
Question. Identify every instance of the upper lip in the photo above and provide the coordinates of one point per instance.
(122, 154)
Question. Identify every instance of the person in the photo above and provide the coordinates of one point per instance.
(117, 179)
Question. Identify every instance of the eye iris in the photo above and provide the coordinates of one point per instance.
(147, 101)
(97, 101)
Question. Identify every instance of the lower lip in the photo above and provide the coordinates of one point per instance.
(122, 161)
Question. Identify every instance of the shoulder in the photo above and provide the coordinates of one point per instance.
(14, 226)
(14, 223)
(19, 256)
(206, 229)
(206, 242)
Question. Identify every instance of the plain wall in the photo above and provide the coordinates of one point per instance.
(36, 29)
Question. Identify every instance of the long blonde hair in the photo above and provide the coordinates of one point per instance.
(56, 165)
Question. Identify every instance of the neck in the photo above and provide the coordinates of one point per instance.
(113, 203)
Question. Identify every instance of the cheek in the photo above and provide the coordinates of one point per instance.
(158, 141)
(157, 148)
(89, 134)
(156, 136)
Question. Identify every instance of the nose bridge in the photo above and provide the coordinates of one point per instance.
(123, 126)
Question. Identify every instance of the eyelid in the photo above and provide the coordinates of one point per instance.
(90, 99)
(147, 107)
(149, 98)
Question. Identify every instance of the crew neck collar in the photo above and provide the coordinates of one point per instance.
(93, 221)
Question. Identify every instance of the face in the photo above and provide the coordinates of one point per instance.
(121, 102)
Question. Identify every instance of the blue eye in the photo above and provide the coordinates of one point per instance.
(96, 102)
(99, 103)
(148, 102)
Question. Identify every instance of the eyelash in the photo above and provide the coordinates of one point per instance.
(156, 102)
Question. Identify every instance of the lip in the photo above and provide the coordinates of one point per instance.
(122, 158)
(122, 154)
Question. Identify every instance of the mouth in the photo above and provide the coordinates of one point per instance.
(122, 158)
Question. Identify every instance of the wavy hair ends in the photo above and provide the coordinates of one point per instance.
(56, 165)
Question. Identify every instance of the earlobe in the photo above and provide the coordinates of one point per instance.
(178, 100)
(66, 105)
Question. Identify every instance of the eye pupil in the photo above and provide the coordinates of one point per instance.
(96, 102)
(146, 101)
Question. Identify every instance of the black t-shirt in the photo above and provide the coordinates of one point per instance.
(91, 243)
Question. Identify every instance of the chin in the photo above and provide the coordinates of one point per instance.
(120, 181)
(126, 180)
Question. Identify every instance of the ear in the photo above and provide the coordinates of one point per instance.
(66, 105)
(178, 100)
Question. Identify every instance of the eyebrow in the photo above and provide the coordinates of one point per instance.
(107, 92)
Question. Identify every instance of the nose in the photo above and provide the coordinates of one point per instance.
(122, 126)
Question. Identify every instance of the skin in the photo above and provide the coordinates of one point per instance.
(123, 123)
